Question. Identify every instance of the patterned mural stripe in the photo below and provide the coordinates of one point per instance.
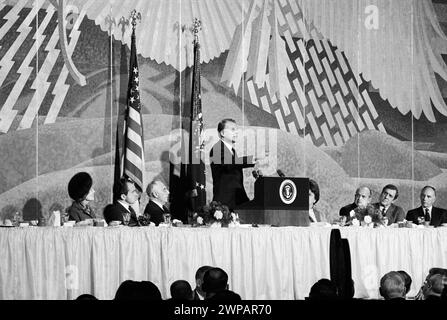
(61, 89)
(298, 114)
(341, 82)
(24, 29)
(328, 114)
(40, 83)
(7, 114)
(356, 115)
(329, 72)
(368, 121)
(11, 17)
(280, 120)
(327, 135)
(341, 125)
(369, 104)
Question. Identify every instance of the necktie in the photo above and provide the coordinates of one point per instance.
(427, 214)
(383, 212)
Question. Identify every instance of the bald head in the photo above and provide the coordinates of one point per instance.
(362, 197)
(392, 285)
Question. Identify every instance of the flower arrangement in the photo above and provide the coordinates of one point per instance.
(368, 216)
(213, 214)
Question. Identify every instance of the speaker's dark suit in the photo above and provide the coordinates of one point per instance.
(228, 179)
(154, 212)
(114, 212)
(394, 213)
(438, 216)
(346, 209)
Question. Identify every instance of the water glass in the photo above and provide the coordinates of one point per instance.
(421, 220)
(385, 221)
(167, 218)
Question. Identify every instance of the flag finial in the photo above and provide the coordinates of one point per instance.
(134, 16)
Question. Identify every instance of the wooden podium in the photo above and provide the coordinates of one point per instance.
(278, 201)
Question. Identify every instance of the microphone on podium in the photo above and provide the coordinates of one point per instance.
(280, 173)
(255, 174)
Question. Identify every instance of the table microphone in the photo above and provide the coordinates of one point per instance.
(280, 173)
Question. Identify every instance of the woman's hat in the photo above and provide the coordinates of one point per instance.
(79, 186)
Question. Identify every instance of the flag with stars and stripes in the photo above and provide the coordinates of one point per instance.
(196, 166)
(133, 157)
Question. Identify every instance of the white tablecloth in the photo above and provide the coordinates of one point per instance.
(262, 263)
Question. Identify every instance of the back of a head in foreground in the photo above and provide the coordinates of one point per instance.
(392, 285)
(215, 280)
(323, 289)
(181, 290)
(137, 290)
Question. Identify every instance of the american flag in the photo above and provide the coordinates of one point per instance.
(196, 172)
(133, 162)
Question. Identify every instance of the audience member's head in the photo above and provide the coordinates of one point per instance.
(226, 295)
(199, 279)
(214, 281)
(323, 289)
(407, 280)
(392, 286)
(181, 290)
(433, 286)
(80, 187)
(137, 290)
(362, 197)
(86, 296)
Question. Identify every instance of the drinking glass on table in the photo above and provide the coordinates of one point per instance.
(167, 218)
(126, 218)
(385, 221)
(421, 220)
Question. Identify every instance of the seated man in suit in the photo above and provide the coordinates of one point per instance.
(435, 216)
(361, 199)
(125, 195)
(158, 198)
(392, 286)
(386, 204)
(226, 167)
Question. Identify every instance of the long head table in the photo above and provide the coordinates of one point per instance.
(262, 263)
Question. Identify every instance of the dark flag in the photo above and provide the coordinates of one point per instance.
(133, 157)
(196, 165)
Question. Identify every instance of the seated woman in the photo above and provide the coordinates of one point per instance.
(81, 191)
(314, 196)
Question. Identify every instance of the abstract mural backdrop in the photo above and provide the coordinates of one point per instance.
(346, 92)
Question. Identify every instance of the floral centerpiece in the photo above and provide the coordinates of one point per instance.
(368, 216)
(215, 214)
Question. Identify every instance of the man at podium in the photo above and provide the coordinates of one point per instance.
(226, 167)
